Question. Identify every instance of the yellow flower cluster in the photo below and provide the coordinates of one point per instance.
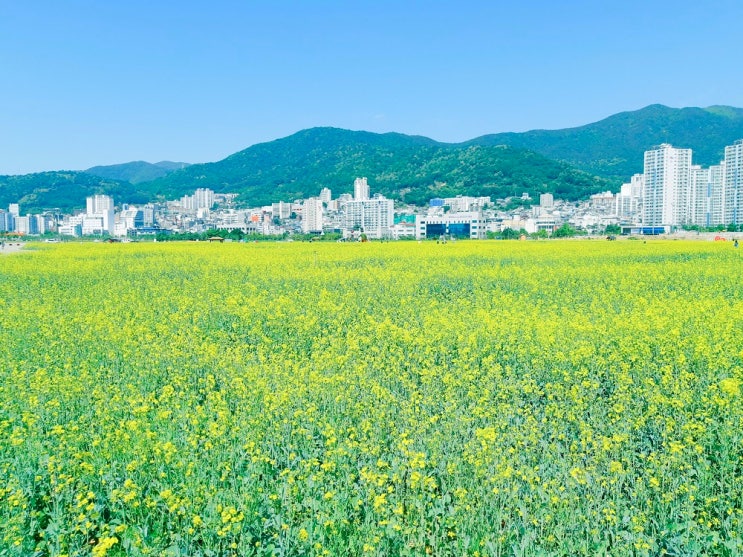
(474, 398)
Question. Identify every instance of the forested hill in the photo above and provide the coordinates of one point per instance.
(570, 163)
(403, 167)
(614, 147)
(63, 190)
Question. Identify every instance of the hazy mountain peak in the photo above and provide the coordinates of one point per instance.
(136, 172)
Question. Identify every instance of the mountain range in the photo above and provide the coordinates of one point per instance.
(412, 169)
(571, 163)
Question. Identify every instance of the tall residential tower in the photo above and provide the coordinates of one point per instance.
(666, 199)
(360, 189)
(733, 184)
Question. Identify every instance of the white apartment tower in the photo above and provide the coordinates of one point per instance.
(715, 200)
(629, 199)
(281, 210)
(373, 217)
(312, 215)
(99, 215)
(203, 198)
(699, 198)
(325, 195)
(733, 184)
(26, 225)
(667, 192)
(148, 215)
(360, 189)
(706, 201)
(98, 204)
(7, 221)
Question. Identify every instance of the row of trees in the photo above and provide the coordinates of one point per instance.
(238, 235)
(565, 231)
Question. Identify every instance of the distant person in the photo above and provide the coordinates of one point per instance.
(735, 244)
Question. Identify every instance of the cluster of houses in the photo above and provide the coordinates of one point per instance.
(351, 215)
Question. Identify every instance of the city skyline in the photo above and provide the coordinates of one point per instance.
(90, 84)
(671, 193)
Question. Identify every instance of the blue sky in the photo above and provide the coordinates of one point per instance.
(87, 82)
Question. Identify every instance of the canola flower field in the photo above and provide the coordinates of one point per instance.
(473, 398)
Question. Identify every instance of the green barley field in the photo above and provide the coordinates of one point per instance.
(291, 399)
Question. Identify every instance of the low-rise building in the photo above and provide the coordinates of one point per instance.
(458, 225)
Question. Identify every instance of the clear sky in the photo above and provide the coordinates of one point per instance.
(88, 82)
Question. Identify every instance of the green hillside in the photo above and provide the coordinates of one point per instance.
(136, 172)
(403, 167)
(65, 191)
(571, 163)
(614, 147)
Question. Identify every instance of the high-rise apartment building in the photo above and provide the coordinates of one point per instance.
(667, 193)
(699, 199)
(99, 215)
(203, 198)
(360, 189)
(27, 224)
(187, 202)
(148, 215)
(312, 215)
(733, 184)
(98, 204)
(281, 210)
(629, 199)
(7, 221)
(373, 217)
(715, 190)
(706, 199)
(42, 224)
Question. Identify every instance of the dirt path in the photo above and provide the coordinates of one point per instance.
(10, 247)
